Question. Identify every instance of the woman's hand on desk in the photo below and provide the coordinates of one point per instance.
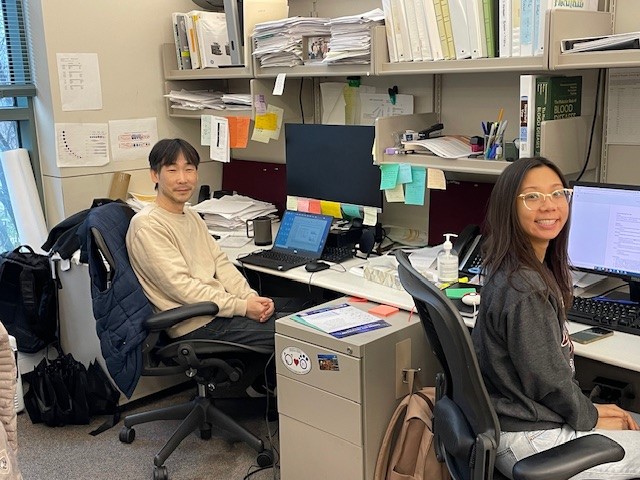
(612, 417)
(260, 309)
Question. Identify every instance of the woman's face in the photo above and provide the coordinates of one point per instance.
(542, 221)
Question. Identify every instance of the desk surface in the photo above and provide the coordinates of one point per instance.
(620, 350)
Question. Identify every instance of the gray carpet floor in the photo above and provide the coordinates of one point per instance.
(71, 453)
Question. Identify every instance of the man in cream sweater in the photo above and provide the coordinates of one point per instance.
(177, 261)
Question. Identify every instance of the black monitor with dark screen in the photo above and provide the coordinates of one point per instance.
(332, 162)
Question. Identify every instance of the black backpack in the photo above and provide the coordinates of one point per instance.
(28, 298)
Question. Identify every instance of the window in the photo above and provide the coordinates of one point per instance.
(17, 125)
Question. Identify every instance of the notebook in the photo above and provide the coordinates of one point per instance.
(300, 239)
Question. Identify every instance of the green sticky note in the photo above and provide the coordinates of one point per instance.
(457, 293)
(404, 173)
(389, 175)
(414, 191)
(351, 211)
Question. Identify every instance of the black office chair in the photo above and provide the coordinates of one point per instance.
(465, 424)
(224, 368)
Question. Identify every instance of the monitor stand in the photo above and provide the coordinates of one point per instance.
(633, 295)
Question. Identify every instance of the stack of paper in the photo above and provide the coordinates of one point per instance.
(351, 37)
(204, 99)
(279, 43)
(137, 201)
(227, 215)
(620, 41)
(446, 147)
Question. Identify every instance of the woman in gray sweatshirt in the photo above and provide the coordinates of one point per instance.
(521, 340)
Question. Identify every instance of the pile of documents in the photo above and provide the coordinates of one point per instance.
(204, 99)
(446, 147)
(137, 201)
(279, 43)
(619, 41)
(351, 37)
(227, 215)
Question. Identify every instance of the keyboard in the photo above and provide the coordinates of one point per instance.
(284, 258)
(621, 316)
(337, 254)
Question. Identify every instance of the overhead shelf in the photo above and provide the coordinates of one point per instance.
(171, 71)
(475, 65)
(567, 24)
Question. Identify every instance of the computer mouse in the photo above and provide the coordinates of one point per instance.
(471, 299)
(316, 266)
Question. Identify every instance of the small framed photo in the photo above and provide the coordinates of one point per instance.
(315, 48)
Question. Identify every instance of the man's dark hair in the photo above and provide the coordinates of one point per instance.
(166, 152)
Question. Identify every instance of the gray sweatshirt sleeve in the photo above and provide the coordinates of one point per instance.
(541, 354)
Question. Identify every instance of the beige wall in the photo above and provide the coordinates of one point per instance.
(126, 35)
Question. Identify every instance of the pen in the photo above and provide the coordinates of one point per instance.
(500, 113)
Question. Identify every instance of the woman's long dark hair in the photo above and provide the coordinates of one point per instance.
(508, 248)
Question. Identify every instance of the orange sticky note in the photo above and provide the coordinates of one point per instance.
(314, 206)
(383, 310)
(238, 132)
(357, 299)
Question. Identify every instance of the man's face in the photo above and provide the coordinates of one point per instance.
(176, 184)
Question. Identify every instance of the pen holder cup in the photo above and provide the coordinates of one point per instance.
(261, 231)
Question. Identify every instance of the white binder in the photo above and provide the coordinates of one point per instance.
(460, 27)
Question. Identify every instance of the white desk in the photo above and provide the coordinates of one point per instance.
(616, 357)
(332, 422)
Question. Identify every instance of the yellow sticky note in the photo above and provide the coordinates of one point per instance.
(395, 194)
(279, 113)
(436, 179)
(292, 203)
(370, 216)
(268, 121)
(330, 208)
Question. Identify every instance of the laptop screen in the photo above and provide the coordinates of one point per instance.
(304, 233)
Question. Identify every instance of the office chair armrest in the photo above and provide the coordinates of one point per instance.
(169, 318)
(569, 459)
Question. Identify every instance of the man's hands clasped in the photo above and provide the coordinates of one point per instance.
(260, 309)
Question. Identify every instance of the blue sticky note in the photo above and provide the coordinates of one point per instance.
(404, 173)
(389, 175)
(414, 191)
(351, 211)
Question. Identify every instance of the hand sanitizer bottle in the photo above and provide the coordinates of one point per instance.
(447, 261)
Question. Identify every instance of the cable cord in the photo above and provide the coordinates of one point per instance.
(593, 124)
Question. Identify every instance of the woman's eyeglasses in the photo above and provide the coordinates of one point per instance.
(535, 200)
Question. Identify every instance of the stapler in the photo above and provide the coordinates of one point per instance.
(433, 131)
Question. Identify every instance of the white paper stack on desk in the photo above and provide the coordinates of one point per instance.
(204, 99)
(227, 215)
(351, 37)
(279, 43)
(446, 147)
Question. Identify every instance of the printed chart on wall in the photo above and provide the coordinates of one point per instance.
(132, 139)
(82, 144)
(623, 107)
(79, 77)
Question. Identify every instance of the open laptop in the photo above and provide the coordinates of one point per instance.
(300, 239)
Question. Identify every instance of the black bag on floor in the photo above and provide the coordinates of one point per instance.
(28, 298)
(63, 392)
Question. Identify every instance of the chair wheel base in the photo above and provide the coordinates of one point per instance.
(127, 435)
(265, 458)
(205, 434)
(160, 473)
